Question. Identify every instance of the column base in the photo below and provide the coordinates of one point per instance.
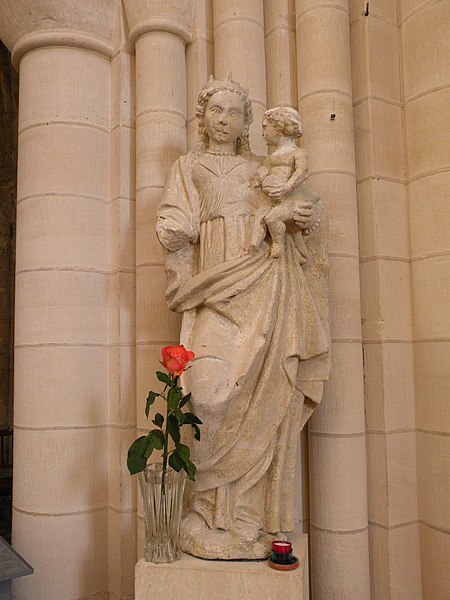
(193, 578)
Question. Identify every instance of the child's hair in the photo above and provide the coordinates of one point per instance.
(286, 120)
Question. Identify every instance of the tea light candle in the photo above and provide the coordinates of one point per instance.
(281, 547)
(281, 552)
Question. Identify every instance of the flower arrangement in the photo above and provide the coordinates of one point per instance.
(175, 360)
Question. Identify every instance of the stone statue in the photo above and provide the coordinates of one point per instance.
(258, 325)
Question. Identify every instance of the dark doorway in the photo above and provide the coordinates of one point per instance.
(9, 85)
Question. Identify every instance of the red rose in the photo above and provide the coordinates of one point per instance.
(175, 358)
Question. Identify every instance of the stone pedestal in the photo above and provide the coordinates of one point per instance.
(196, 579)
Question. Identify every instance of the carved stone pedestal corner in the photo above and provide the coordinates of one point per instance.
(196, 579)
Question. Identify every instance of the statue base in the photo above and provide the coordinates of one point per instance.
(197, 579)
(197, 539)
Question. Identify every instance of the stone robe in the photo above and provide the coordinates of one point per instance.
(258, 327)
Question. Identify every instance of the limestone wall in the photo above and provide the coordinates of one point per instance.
(425, 76)
(386, 285)
(107, 100)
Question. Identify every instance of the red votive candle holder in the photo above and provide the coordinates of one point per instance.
(281, 552)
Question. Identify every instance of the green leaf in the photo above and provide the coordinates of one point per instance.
(173, 428)
(197, 431)
(179, 414)
(175, 462)
(190, 418)
(185, 400)
(190, 469)
(183, 451)
(173, 397)
(155, 441)
(158, 420)
(156, 438)
(149, 451)
(136, 460)
(164, 377)
(150, 399)
(179, 459)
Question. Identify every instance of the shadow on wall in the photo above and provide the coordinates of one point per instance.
(6, 471)
(9, 86)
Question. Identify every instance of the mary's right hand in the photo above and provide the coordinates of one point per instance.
(173, 238)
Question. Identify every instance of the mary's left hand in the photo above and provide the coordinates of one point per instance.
(303, 215)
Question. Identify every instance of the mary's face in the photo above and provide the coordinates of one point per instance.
(224, 117)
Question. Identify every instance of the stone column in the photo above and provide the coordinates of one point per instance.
(386, 303)
(239, 47)
(281, 59)
(122, 316)
(60, 505)
(159, 31)
(426, 106)
(200, 62)
(338, 487)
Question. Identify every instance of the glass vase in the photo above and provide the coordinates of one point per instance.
(162, 497)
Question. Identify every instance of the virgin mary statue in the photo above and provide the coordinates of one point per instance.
(258, 326)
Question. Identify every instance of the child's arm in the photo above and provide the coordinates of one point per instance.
(301, 170)
(299, 175)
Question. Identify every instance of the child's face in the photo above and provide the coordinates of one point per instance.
(270, 134)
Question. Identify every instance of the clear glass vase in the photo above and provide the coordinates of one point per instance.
(162, 497)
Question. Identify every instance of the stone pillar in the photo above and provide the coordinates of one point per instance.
(426, 100)
(60, 504)
(160, 32)
(338, 487)
(200, 62)
(386, 303)
(281, 59)
(122, 316)
(239, 47)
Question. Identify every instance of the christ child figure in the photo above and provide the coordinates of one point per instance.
(281, 177)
